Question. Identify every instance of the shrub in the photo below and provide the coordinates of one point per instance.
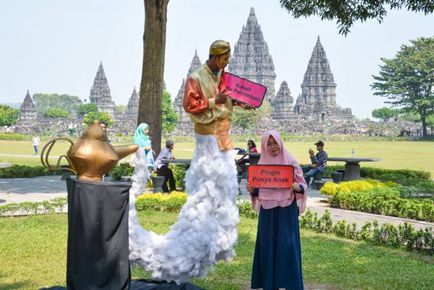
(331, 188)
(401, 176)
(179, 174)
(122, 169)
(245, 208)
(171, 202)
(420, 180)
(404, 236)
(14, 137)
(28, 208)
(125, 169)
(19, 171)
(382, 200)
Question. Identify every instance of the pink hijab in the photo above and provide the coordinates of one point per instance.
(270, 198)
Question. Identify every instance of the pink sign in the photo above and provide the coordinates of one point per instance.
(244, 90)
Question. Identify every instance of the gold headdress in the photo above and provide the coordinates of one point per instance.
(219, 47)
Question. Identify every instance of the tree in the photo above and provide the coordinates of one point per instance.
(407, 80)
(120, 109)
(83, 109)
(152, 82)
(347, 12)
(55, 113)
(384, 113)
(170, 117)
(8, 115)
(65, 102)
(247, 119)
(91, 117)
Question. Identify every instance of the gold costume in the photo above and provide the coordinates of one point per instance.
(208, 117)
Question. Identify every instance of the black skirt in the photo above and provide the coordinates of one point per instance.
(277, 260)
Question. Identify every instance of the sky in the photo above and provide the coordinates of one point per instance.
(55, 46)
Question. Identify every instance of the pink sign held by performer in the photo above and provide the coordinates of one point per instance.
(243, 90)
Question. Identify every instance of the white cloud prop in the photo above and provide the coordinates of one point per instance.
(206, 229)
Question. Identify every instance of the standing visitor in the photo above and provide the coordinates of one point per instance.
(35, 143)
(277, 258)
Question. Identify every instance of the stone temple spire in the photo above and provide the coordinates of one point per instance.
(318, 90)
(28, 109)
(177, 103)
(281, 105)
(251, 59)
(100, 93)
(132, 111)
(318, 70)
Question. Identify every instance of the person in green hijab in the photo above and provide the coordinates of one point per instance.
(141, 138)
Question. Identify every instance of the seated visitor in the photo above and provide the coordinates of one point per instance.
(251, 148)
(163, 168)
(318, 160)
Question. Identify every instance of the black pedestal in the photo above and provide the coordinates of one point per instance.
(98, 250)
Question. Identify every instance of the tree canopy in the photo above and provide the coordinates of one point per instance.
(407, 80)
(98, 116)
(65, 102)
(83, 109)
(170, 117)
(384, 113)
(55, 113)
(346, 13)
(8, 115)
(248, 119)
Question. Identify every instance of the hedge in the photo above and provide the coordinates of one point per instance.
(404, 236)
(125, 169)
(14, 137)
(19, 171)
(384, 201)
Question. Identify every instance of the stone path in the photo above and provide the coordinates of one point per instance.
(13, 190)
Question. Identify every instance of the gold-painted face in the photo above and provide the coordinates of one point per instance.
(223, 60)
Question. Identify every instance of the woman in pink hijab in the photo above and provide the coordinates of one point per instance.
(277, 259)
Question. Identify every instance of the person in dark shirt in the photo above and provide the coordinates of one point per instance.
(163, 168)
(318, 161)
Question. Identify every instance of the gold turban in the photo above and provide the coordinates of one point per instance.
(219, 47)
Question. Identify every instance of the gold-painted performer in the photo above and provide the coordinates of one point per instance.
(205, 98)
(206, 229)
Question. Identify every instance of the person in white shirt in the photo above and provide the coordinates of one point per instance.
(35, 143)
(163, 168)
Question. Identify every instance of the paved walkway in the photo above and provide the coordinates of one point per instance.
(13, 190)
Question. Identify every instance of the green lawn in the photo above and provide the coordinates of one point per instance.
(393, 154)
(33, 255)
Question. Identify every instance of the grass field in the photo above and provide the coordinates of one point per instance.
(33, 255)
(393, 154)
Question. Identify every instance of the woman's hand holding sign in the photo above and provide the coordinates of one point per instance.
(296, 187)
